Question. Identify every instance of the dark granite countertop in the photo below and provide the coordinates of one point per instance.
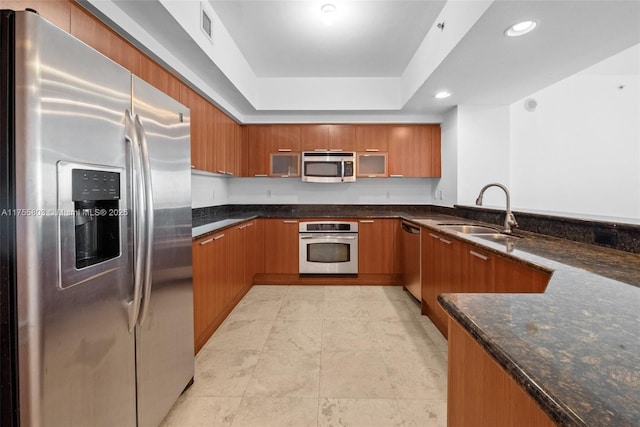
(575, 348)
(217, 225)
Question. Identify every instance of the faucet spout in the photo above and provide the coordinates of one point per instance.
(509, 220)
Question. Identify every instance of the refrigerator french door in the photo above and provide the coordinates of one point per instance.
(96, 320)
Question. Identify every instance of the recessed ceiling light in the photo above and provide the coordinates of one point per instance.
(328, 8)
(328, 13)
(443, 94)
(520, 28)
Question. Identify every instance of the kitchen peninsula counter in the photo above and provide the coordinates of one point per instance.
(575, 349)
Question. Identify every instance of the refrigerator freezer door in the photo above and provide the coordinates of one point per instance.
(76, 355)
(164, 336)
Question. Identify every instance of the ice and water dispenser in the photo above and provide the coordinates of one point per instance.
(95, 196)
(93, 223)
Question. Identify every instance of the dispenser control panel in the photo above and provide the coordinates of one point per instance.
(95, 185)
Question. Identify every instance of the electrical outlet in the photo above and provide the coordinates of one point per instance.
(388, 195)
(441, 194)
(213, 194)
(269, 193)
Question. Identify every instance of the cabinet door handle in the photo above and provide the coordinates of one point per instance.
(320, 149)
(263, 175)
(372, 150)
(335, 149)
(371, 176)
(249, 225)
(435, 236)
(290, 221)
(284, 150)
(242, 227)
(448, 242)
(366, 221)
(205, 242)
(221, 172)
(478, 255)
(219, 236)
(396, 175)
(193, 166)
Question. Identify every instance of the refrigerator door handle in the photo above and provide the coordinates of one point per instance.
(139, 220)
(148, 189)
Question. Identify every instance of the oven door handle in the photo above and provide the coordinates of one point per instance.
(325, 237)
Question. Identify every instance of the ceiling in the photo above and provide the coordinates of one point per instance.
(379, 60)
(291, 38)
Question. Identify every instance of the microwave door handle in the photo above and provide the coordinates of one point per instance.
(148, 190)
(342, 170)
(139, 221)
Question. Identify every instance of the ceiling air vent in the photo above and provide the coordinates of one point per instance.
(205, 21)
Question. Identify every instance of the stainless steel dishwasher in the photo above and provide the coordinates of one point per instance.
(411, 259)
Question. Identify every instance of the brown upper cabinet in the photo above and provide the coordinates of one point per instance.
(371, 146)
(414, 151)
(371, 138)
(224, 141)
(273, 150)
(198, 112)
(383, 149)
(215, 138)
(160, 78)
(328, 138)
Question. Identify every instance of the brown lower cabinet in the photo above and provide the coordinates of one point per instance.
(450, 265)
(223, 267)
(210, 256)
(480, 393)
(441, 273)
(254, 255)
(281, 246)
(377, 246)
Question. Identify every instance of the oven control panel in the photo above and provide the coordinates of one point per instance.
(329, 226)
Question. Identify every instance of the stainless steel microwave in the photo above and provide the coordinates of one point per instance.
(328, 166)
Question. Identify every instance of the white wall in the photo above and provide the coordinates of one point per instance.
(445, 191)
(579, 151)
(483, 153)
(208, 190)
(364, 191)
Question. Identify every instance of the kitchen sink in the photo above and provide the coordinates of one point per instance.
(500, 237)
(470, 229)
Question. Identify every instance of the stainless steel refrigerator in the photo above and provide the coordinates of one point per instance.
(96, 305)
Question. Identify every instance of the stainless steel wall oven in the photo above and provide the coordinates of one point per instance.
(328, 247)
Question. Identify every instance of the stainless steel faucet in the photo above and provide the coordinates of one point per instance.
(509, 220)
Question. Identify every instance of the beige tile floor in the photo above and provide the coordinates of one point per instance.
(319, 356)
